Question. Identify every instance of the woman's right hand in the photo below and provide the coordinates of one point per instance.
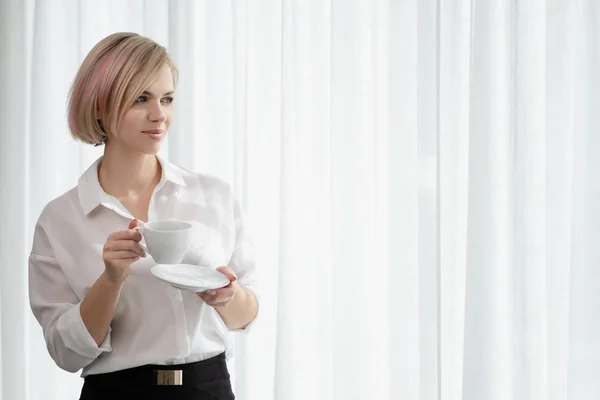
(120, 251)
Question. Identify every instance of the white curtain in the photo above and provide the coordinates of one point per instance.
(422, 177)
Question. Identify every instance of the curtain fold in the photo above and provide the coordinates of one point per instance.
(14, 344)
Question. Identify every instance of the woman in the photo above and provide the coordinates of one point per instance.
(90, 283)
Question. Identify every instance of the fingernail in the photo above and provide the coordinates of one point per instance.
(210, 292)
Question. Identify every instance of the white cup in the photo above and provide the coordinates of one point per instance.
(166, 241)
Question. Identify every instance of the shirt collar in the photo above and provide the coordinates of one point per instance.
(171, 172)
(91, 194)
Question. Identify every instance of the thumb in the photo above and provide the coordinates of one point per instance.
(133, 223)
(228, 272)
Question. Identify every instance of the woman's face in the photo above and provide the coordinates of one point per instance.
(145, 124)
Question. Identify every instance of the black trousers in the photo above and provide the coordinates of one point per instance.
(202, 380)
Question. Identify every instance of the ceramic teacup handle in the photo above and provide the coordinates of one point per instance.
(141, 242)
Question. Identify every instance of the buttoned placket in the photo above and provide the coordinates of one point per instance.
(177, 304)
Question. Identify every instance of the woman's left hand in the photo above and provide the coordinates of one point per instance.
(223, 296)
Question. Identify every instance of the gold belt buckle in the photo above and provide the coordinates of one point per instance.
(169, 378)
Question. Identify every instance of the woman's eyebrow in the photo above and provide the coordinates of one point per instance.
(152, 94)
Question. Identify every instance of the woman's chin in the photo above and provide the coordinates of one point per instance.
(149, 146)
(147, 150)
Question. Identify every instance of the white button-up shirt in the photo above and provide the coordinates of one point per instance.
(154, 323)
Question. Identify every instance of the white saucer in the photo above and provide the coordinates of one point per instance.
(190, 277)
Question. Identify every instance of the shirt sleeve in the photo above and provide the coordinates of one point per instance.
(243, 259)
(56, 307)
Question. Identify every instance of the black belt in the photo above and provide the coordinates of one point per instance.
(191, 374)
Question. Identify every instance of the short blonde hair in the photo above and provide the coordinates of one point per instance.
(112, 76)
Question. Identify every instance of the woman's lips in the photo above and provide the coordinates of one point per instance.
(155, 134)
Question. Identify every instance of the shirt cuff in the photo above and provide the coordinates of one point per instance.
(77, 338)
(249, 327)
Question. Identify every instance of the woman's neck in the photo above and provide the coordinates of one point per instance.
(127, 174)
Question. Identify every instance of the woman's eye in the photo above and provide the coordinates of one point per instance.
(168, 100)
(141, 99)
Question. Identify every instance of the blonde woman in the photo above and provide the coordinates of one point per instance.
(90, 285)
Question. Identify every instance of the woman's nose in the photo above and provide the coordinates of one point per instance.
(157, 113)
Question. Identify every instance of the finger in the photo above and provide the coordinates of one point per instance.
(120, 245)
(131, 251)
(123, 262)
(114, 258)
(134, 222)
(222, 292)
(212, 302)
(130, 234)
(228, 272)
(121, 254)
(123, 244)
(209, 295)
(219, 298)
(203, 296)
